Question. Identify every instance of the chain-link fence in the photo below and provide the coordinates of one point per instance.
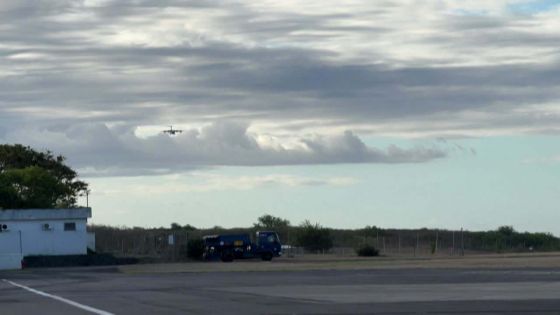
(171, 245)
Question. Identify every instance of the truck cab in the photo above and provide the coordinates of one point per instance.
(268, 245)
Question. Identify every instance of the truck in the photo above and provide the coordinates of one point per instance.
(227, 247)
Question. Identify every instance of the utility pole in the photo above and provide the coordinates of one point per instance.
(87, 197)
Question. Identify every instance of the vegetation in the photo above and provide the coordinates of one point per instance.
(314, 237)
(367, 251)
(195, 248)
(505, 238)
(269, 222)
(33, 179)
(176, 226)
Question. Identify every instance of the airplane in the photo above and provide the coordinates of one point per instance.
(172, 131)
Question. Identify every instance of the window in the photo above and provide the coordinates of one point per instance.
(70, 226)
(271, 238)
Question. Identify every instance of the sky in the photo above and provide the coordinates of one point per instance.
(393, 113)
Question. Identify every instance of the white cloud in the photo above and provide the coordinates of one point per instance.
(102, 151)
(302, 73)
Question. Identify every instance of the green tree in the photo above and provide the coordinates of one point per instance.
(33, 179)
(506, 231)
(189, 228)
(270, 222)
(177, 226)
(314, 237)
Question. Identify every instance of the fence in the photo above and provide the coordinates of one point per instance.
(160, 245)
(171, 245)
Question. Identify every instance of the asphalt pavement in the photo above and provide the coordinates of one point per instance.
(106, 291)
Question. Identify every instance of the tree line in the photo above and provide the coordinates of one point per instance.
(316, 238)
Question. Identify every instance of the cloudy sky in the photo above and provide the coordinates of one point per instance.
(395, 113)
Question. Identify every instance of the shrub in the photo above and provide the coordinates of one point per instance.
(314, 237)
(367, 251)
(195, 248)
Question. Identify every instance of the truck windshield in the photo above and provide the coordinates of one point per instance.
(272, 238)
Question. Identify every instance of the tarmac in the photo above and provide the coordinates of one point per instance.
(107, 291)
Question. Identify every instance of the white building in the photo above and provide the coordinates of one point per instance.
(29, 232)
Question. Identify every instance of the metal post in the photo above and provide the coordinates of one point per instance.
(384, 250)
(417, 243)
(462, 243)
(174, 248)
(399, 248)
(453, 248)
(436, 250)
(20, 244)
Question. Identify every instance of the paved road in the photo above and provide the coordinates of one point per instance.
(423, 291)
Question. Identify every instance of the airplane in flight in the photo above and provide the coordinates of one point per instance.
(172, 131)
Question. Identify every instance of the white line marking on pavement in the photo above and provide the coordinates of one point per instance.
(61, 299)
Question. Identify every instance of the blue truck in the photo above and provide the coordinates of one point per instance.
(227, 247)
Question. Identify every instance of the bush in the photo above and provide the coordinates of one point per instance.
(367, 251)
(195, 248)
(314, 237)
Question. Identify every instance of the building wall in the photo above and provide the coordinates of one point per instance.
(10, 255)
(53, 241)
(28, 232)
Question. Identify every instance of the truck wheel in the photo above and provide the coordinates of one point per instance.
(266, 256)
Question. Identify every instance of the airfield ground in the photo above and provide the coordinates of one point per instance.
(331, 262)
(498, 284)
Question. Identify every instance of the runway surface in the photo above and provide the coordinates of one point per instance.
(105, 291)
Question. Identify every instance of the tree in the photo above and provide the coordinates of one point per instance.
(506, 231)
(189, 228)
(177, 226)
(270, 222)
(314, 237)
(33, 179)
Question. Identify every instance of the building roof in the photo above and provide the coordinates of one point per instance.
(44, 214)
